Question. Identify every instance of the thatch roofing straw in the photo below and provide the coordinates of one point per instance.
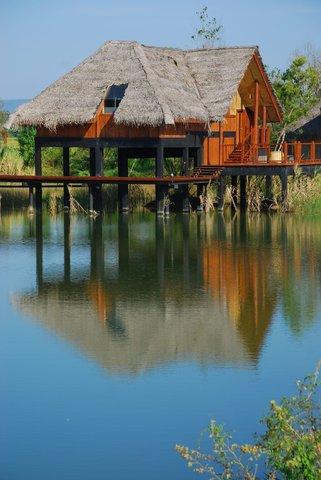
(309, 126)
(164, 86)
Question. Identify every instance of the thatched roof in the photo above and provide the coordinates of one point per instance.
(164, 86)
(309, 126)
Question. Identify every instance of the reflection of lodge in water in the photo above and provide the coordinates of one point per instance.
(179, 293)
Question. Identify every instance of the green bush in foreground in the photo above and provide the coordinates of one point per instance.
(290, 446)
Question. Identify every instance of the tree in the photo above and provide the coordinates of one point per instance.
(290, 445)
(313, 56)
(3, 115)
(208, 31)
(26, 140)
(297, 90)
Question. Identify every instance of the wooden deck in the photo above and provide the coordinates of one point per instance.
(41, 179)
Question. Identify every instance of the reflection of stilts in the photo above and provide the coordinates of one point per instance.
(123, 245)
(39, 250)
(97, 249)
(67, 247)
(186, 253)
(160, 248)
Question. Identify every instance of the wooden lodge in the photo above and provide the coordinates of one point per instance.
(212, 108)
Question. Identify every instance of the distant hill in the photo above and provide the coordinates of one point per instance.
(13, 104)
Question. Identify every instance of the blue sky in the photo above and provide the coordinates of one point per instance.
(42, 39)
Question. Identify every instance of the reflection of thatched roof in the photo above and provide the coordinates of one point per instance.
(164, 85)
(138, 334)
(309, 126)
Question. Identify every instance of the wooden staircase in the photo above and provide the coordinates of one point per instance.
(239, 155)
(207, 171)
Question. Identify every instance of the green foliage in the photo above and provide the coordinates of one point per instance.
(297, 90)
(3, 115)
(208, 31)
(26, 140)
(290, 445)
(292, 441)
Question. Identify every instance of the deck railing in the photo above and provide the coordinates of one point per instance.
(292, 153)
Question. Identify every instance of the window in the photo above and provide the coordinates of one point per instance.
(114, 96)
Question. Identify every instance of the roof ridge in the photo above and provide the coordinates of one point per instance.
(152, 80)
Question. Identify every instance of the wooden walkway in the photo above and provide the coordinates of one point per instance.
(36, 179)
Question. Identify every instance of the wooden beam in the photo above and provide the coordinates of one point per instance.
(256, 112)
(264, 122)
(268, 86)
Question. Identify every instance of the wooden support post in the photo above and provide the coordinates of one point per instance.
(284, 189)
(96, 169)
(92, 174)
(234, 190)
(159, 172)
(185, 161)
(220, 193)
(123, 200)
(264, 122)
(268, 187)
(243, 197)
(199, 157)
(184, 188)
(200, 187)
(66, 172)
(31, 207)
(256, 112)
(38, 171)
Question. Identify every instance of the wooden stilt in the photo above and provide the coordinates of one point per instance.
(66, 172)
(184, 188)
(38, 171)
(234, 190)
(123, 200)
(96, 168)
(159, 189)
(243, 197)
(200, 188)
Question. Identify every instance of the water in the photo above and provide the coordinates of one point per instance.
(121, 338)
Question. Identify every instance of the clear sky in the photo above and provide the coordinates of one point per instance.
(42, 39)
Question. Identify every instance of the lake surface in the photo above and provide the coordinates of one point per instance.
(122, 337)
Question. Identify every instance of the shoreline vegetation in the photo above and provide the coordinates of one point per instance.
(289, 447)
(304, 192)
